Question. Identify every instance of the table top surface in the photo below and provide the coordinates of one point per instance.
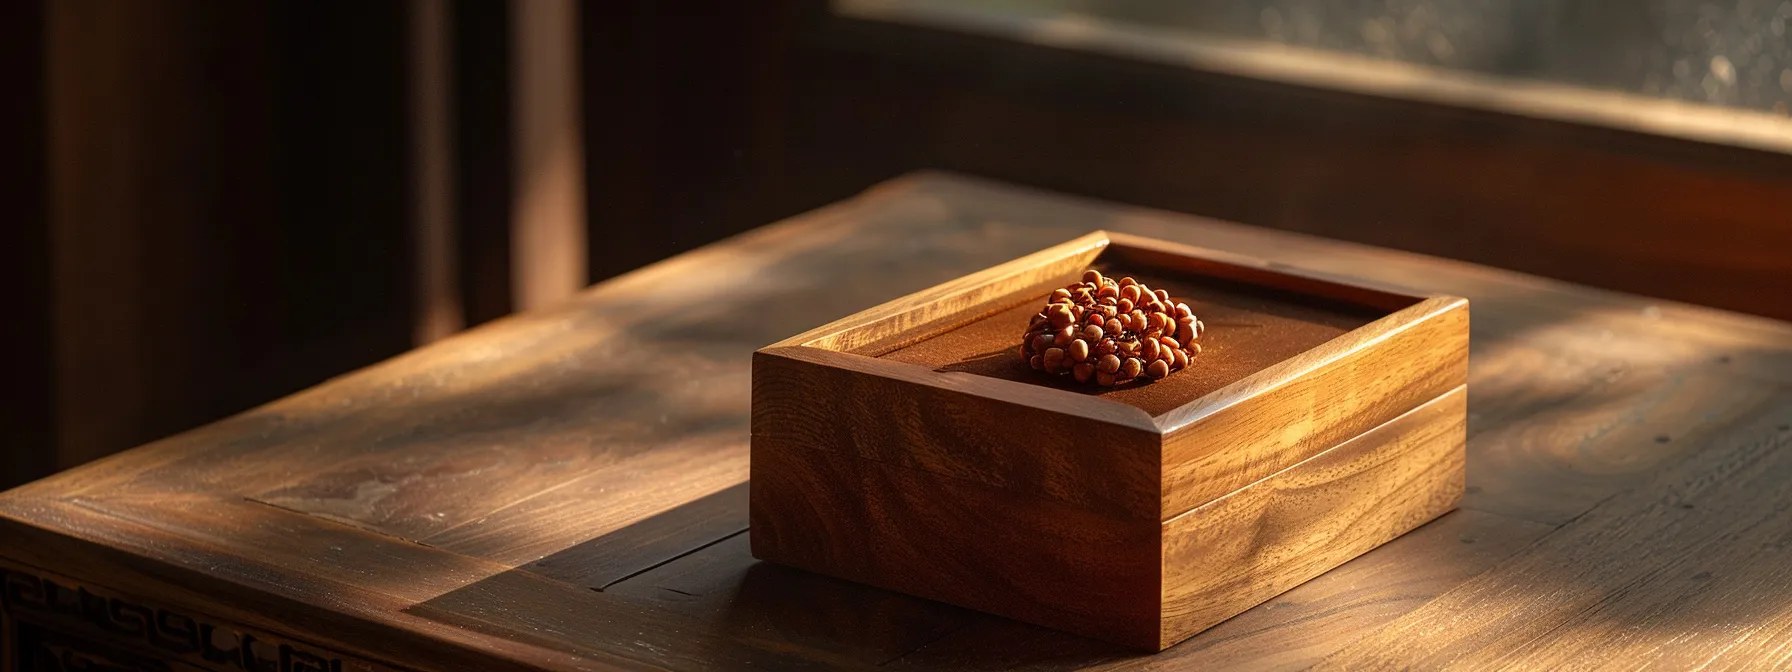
(566, 489)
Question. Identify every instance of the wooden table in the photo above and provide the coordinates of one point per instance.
(565, 489)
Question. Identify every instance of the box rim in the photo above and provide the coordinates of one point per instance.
(834, 337)
(1036, 396)
(1433, 402)
(1293, 368)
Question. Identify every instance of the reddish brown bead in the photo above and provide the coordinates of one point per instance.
(1108, 364)
(1110, 331)
(1158, 369)
(1105, 347)
(1078, 350)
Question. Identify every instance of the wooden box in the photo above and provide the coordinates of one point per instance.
(908, 447)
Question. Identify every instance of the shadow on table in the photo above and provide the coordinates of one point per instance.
(639, 587)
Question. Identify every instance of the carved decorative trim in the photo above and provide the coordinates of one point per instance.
(111, 620)
(44, 650)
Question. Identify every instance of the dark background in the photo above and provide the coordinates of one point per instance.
(210, 204)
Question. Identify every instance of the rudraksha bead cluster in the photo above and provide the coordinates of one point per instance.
(1111, 332)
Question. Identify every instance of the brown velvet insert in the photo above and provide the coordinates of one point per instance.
(1249, 328)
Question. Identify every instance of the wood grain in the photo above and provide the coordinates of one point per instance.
(113, 551)
(944, 306)
(618, 554)
(631, 493)
(818, 405)
(956, 541)
(1313, 401)
(832, 620)
(1144, 585)
(1685, 571)
(905, 415)
(493, 618)
(1554, 434)
(1301, 626)
(1291, 632)
(1242, 549)
(542, 439)
(1214, 444)
(1130, 250)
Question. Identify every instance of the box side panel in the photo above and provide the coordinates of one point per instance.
(1267, 430)
(1243, 549)
(1043, 443)
(1027, 558)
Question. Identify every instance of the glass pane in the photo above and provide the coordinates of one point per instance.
(1733, 54)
